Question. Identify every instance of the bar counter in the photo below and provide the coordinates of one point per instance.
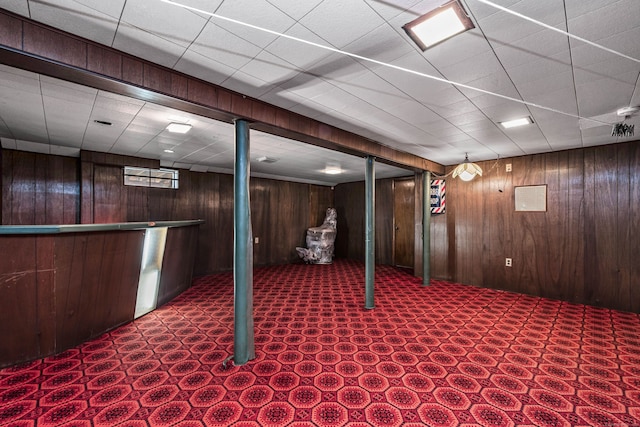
(61, 285)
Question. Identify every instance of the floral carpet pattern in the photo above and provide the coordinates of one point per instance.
(443, 355)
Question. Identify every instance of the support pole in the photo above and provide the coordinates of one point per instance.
(370, 232)
(243, 338)
(426, 228)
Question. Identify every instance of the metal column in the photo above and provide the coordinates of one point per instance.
(426, 228)
(370, 232)
(243, 338)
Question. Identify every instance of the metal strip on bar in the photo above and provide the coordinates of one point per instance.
(243, 334)
(426, 228)
(370, 232)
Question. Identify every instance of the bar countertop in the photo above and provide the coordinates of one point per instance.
(81, 228)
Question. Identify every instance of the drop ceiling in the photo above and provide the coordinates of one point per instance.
(375, 81)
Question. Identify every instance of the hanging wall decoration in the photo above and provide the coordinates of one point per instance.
(437, 196)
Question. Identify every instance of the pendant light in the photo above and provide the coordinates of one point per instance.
(467, 170)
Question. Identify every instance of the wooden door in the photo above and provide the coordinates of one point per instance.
(403, 218)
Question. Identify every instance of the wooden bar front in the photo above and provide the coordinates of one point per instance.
(63, 285)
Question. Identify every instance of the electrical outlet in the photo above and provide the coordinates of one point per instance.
(508, 167)
(256, 240)
(507, 262)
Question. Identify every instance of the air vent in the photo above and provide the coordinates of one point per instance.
(265, 159)
(102, 122)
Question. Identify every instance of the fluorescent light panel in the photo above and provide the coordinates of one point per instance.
(179, 127)
(438, 25)
(517, 122)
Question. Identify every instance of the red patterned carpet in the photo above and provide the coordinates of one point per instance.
(445, 355)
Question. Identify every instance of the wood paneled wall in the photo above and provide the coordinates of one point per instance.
(281, 211)
(39, 189)
(44, 189)
(350, 205)
(582, 249)
(350, 239)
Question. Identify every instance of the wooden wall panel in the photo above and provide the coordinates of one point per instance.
(10, 31)
(580, 250)
(177, 263)
(630, 258)
(349, 199)
(60, 290)
(46, 294)
(384, 221)
(39, 189)
(280, 218)
(54, 44)
(109, 197)
(18, 305)
(350, 204)
(320, 198)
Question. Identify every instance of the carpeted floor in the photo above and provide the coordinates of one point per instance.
(445, 355)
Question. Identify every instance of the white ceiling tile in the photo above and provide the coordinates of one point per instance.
(163, 20)
(21, 7)
(391, 9)
(94, 21)
(375, 90)
(457, 49)
(207, 69)
(301, 54)
(266, 67)
(472, 68)
(260, 13)
(481, 10)
(147, 46)
(341, 22)
(294, 8)
(246, 84)
(615, 17)
(275, 97)
(381, 44)
(218, 44)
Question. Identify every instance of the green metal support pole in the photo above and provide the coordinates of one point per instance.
(243, 338)
(370, 232)
(426, 228)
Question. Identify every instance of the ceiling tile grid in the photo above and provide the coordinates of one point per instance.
(395, 103)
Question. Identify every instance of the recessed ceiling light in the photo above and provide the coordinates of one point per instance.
(517, 122)
(168, 151)
(332, 170)
(179, 127)
(438, 25)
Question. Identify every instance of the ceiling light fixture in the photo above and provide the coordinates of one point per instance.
(516, 122)
(467, 170)
(332, 170)
(438, 25)
(168, 151)
(179, 127)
